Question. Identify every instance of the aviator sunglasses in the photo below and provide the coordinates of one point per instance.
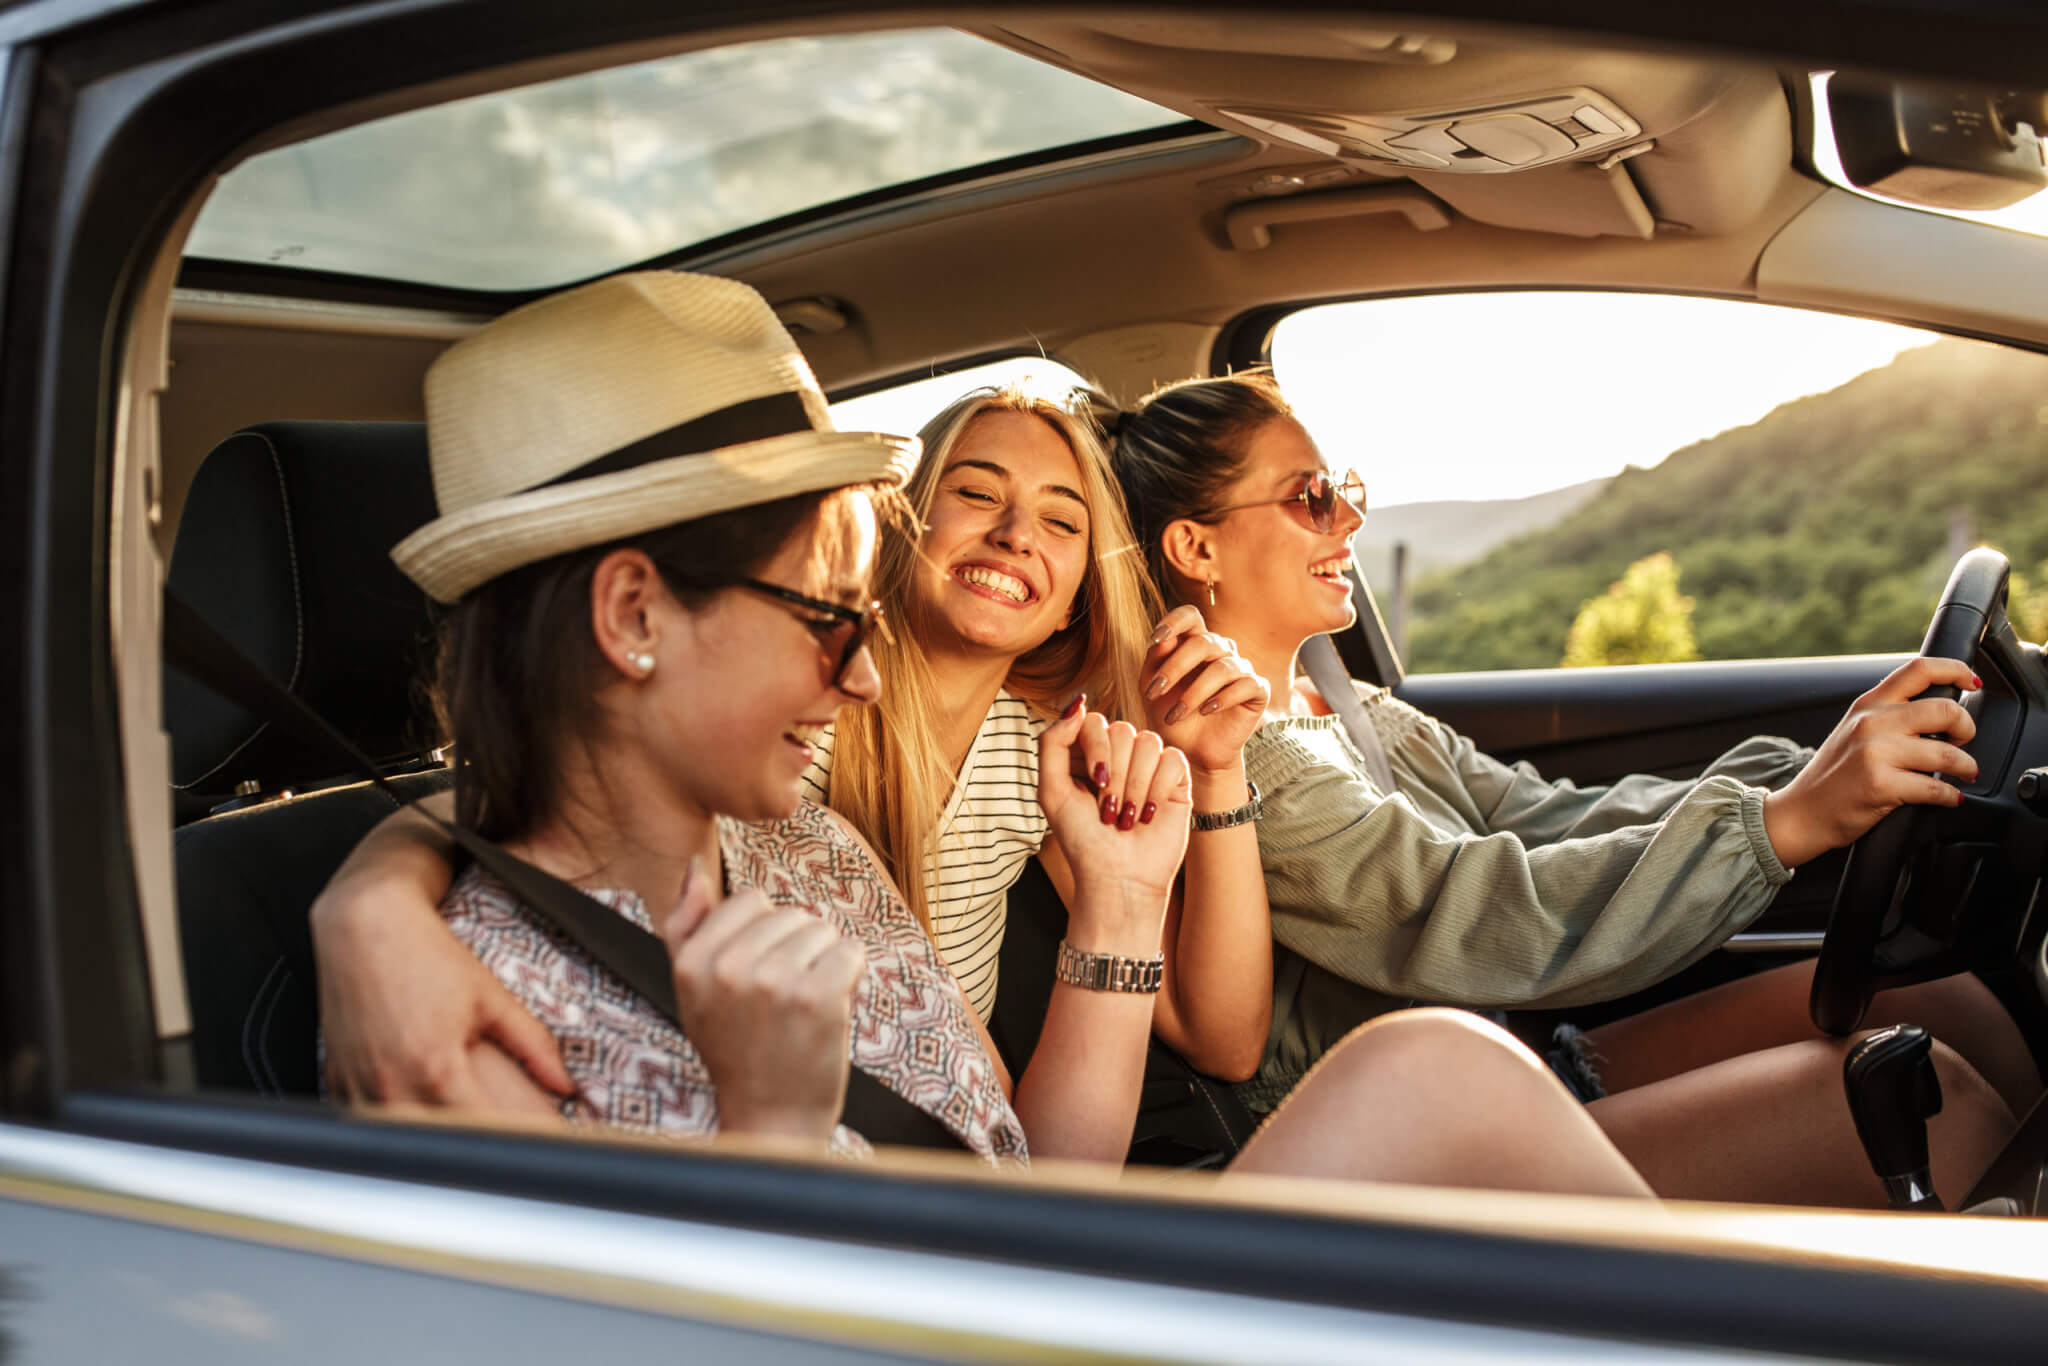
(1319, 496)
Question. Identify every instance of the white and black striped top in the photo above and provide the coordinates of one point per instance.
(991, 826)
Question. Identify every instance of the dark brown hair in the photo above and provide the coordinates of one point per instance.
(519, 664)
(1182, 446)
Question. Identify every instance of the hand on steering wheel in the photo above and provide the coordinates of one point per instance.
(1871, 941)
(1883, 754)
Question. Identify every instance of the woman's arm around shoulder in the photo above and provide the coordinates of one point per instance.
(406, 1010)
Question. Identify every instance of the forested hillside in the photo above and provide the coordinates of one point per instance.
(1821, 529)
(1443, 535)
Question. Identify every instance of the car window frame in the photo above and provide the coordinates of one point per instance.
(1246, 341)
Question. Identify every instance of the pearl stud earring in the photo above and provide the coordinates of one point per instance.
(643, 662)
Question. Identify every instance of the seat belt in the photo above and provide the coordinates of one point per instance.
(1326, 671)
(635, 956)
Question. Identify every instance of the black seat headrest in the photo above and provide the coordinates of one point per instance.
(284, 547)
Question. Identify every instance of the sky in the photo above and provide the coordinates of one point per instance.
(1477, 396)
(1472, 396)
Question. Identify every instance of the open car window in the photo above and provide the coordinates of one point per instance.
(557, 182)
(1587, 478)
(906, 406)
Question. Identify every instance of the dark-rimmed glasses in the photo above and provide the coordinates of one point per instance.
(856, 624)
(1319, 496)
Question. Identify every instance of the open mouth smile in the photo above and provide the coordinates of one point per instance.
(994, 584)
(1331, 571)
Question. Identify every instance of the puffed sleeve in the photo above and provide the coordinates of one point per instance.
(1517, 799)
(1363, 886)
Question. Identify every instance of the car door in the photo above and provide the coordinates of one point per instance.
(143, 1216)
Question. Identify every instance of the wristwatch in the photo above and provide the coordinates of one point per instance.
(1108, 971)
(1236, 815)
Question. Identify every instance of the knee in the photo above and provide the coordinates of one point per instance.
(1433, 1041)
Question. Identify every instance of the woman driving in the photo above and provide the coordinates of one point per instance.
(1448, 877)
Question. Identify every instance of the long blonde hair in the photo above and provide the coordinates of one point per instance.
(890, 775)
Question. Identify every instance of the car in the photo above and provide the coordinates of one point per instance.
(237, 234)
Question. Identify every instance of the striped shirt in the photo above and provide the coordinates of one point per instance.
(991, 825)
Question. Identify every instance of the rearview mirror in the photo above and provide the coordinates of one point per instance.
(1940, 147)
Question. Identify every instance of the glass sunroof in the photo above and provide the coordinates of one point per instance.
(530, 188)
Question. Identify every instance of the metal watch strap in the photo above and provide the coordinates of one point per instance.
(1108, 971)
(1236, 815)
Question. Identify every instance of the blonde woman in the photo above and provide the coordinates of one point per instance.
(1023, 590)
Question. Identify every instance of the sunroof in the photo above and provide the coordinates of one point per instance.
(540, 186)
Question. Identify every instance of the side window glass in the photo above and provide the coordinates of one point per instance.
(1583, 478)
(907, 406)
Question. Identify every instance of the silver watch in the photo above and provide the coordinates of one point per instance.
(1108, 971)
(1236, 815)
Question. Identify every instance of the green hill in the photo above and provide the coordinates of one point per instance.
(1444, 535)
(1823, 528)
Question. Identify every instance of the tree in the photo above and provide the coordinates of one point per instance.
(1643, 619)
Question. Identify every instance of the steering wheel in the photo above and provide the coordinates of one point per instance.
(1855, 957)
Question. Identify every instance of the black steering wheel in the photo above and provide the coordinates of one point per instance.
(1869, 943)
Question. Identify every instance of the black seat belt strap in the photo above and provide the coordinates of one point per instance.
(1326, 671)
(635, 956)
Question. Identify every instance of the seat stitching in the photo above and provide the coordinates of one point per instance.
(1202, 1089)
(251, 1029)
(298, 612)
(263, 1036)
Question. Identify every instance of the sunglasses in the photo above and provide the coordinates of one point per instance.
(1320, 496)
(846, 630)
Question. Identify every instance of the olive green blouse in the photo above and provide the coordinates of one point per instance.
(1482, 884)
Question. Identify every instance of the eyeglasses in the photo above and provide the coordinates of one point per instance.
(849, 628)
(1319, 496)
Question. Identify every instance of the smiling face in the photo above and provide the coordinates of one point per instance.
(1278, 580)
(744, 682)
(1006, 544)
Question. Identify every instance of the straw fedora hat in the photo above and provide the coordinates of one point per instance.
(617, 408)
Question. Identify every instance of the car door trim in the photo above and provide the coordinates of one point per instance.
(885, 1298)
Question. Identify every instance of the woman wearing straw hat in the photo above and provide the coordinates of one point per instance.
(632, 698)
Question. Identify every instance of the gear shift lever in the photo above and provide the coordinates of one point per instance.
(1892, 1091)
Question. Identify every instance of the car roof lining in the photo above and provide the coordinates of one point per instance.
(1127, 250)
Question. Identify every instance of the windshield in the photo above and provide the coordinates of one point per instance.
(532, 188)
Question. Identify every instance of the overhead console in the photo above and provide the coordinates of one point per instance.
(1533, 135)
(1511, 135)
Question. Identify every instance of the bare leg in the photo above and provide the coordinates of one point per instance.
(1774, 1128)
(1438, 1098)
(1769, 1009)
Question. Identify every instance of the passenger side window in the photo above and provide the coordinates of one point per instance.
(907, 405)
(1589, 478)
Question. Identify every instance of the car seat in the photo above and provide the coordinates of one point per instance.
(1185, 1118)
(283, 548)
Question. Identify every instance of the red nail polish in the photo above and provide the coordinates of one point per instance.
(1127, 818)
(1073, 707)
(1100, 774)
(1151, 810)
(1976, 682)
(1109, 810)
(1178, 710)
